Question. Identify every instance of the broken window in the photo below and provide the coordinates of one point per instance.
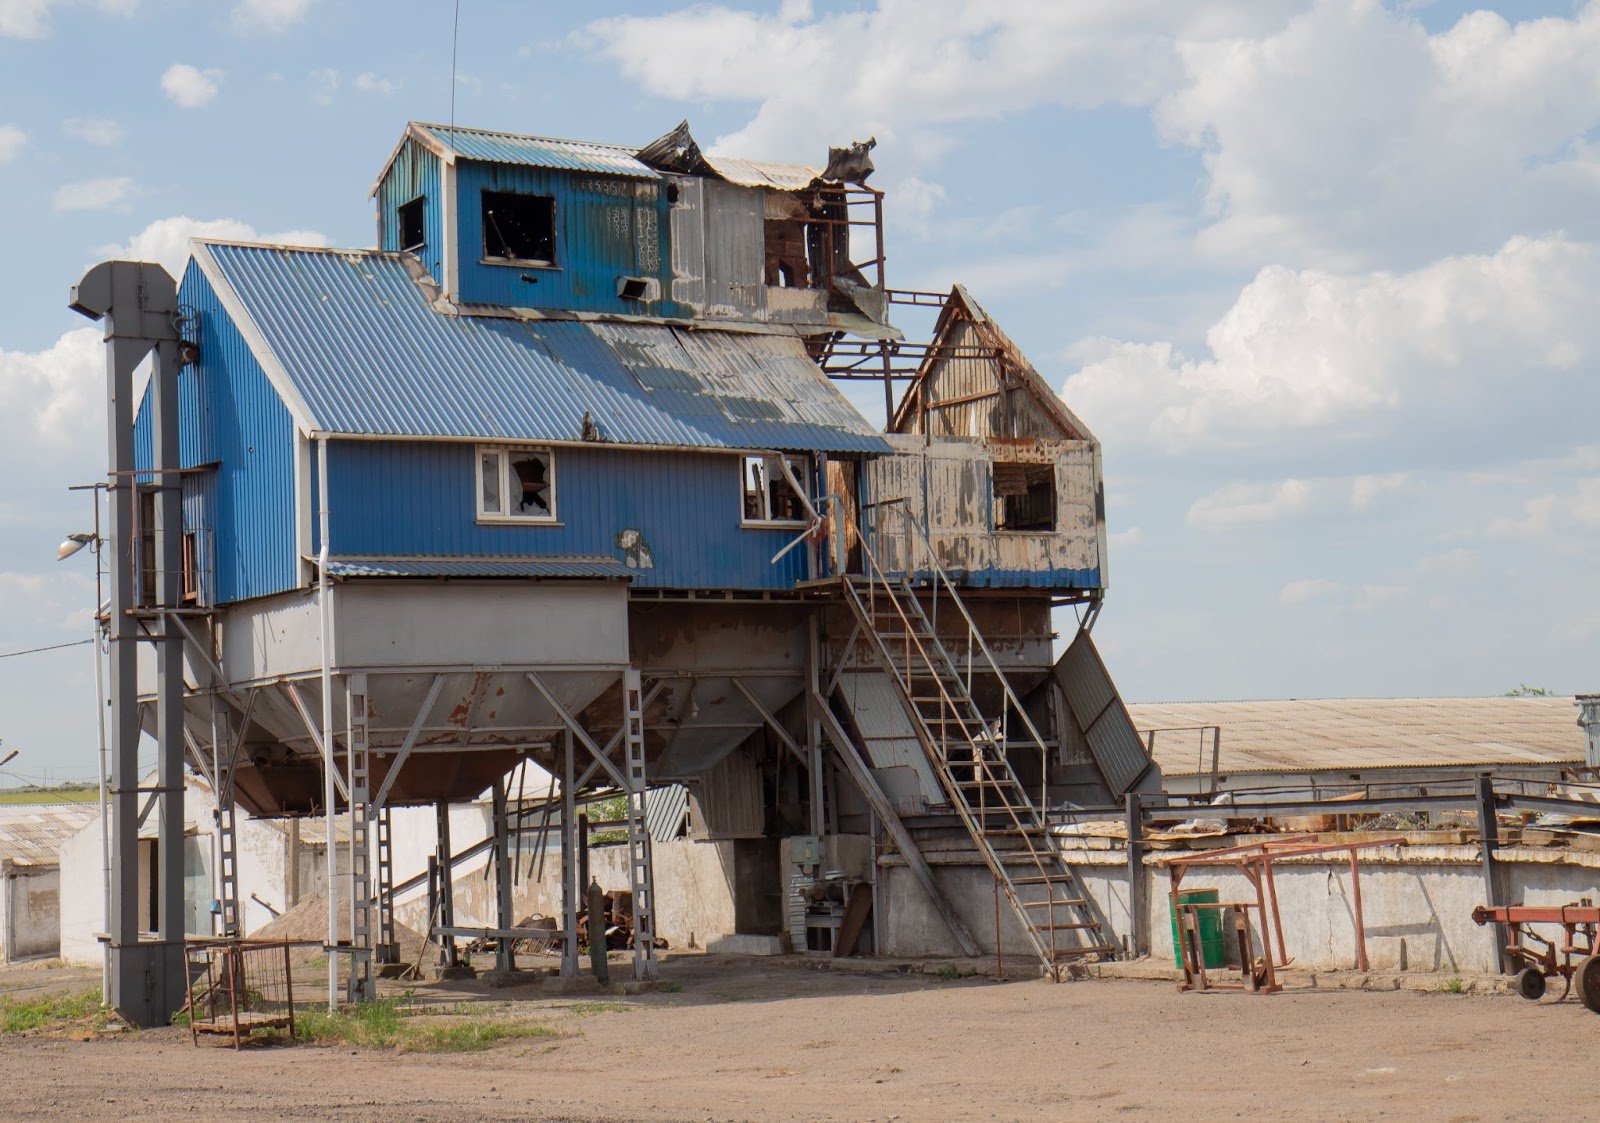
(516, 483)
(191, 569)
(1025, 496)
(786, 254)
(412, 236)
(768, 495)
(519, 227)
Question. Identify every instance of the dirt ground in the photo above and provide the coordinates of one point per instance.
(755, 1039)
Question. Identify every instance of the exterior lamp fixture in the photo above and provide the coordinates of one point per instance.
(73, 543)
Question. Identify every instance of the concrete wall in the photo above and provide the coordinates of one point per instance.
(30, 912)
(694, 890)
(1417, 901)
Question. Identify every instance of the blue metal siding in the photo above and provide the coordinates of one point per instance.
(415, 172)
(419, 498)
(229, 414)
(606, 227)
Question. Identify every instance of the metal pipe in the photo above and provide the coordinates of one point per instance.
(325, 610)
(100, 722)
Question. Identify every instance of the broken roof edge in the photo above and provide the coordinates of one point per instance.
(961, 304)
(676, 152)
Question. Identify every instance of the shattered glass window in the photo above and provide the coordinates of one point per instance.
(519, 227)
(768, 495)
(516, 483)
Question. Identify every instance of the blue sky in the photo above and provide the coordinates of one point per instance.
(1322, 276)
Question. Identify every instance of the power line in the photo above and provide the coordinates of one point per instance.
(52, 647)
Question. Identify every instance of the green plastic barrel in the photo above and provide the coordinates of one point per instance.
(1212, 953)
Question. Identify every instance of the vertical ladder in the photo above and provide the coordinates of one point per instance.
(359, 987)
(384, 897)
(227, 863)
(639, 849)
(968, 751)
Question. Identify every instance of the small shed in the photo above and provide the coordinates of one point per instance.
(30, 841)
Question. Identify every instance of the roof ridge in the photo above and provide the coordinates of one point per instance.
(632, 150)
(372, 251)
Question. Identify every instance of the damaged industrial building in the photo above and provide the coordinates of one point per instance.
(562, 473)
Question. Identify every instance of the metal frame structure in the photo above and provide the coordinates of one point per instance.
(1254, 861)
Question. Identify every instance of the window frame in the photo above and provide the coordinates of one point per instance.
(1048, 471)
(486, 258)
(504, 454)
(802, 471)
(421, 203)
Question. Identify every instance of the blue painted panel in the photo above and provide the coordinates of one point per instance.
(417, 498)
(415, 172)
(606, 227)
(230, 415)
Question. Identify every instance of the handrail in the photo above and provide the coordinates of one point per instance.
(972, 627)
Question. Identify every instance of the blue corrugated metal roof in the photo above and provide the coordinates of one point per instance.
(477, 567)
(537, 151)
(360, 343)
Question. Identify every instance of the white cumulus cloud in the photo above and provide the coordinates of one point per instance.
(189, 86)
(369, 83)
(167, 240)
(92, 194)
(1309, 350)
(907, 68)
(1243, 504)
(1351, 137)
(270, 16)
(11, 141)
(1308, 589)
(103, 131)
(29, 19)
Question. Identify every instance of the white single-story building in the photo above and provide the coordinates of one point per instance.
(31, 835)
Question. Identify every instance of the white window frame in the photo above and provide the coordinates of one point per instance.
(802, 472)
(506, 513)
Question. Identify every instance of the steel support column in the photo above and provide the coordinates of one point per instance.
(504, 957)
(569, 863)
(1489, 841)
(1138, 934)
(138, 303)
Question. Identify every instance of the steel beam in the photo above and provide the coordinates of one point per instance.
(897, 830)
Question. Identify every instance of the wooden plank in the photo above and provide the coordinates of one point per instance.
(856, 911)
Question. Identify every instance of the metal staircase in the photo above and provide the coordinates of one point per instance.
(968, 749)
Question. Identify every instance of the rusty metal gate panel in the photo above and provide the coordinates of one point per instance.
(1099, 717)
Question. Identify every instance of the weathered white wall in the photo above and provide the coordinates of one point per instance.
(1417, 901)
(82, 908)
(30, 912)
(694, 890)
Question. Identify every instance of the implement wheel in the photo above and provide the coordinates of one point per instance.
(1530, 983)
(1587, 979)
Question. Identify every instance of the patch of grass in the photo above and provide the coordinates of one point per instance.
(948, 973)
(52, 1011)
(383, 1025)
(671, 986)
(1453, 985)
(67, 793)
(582, 1008)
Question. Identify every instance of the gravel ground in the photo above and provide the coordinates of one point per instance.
(753, 1039)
